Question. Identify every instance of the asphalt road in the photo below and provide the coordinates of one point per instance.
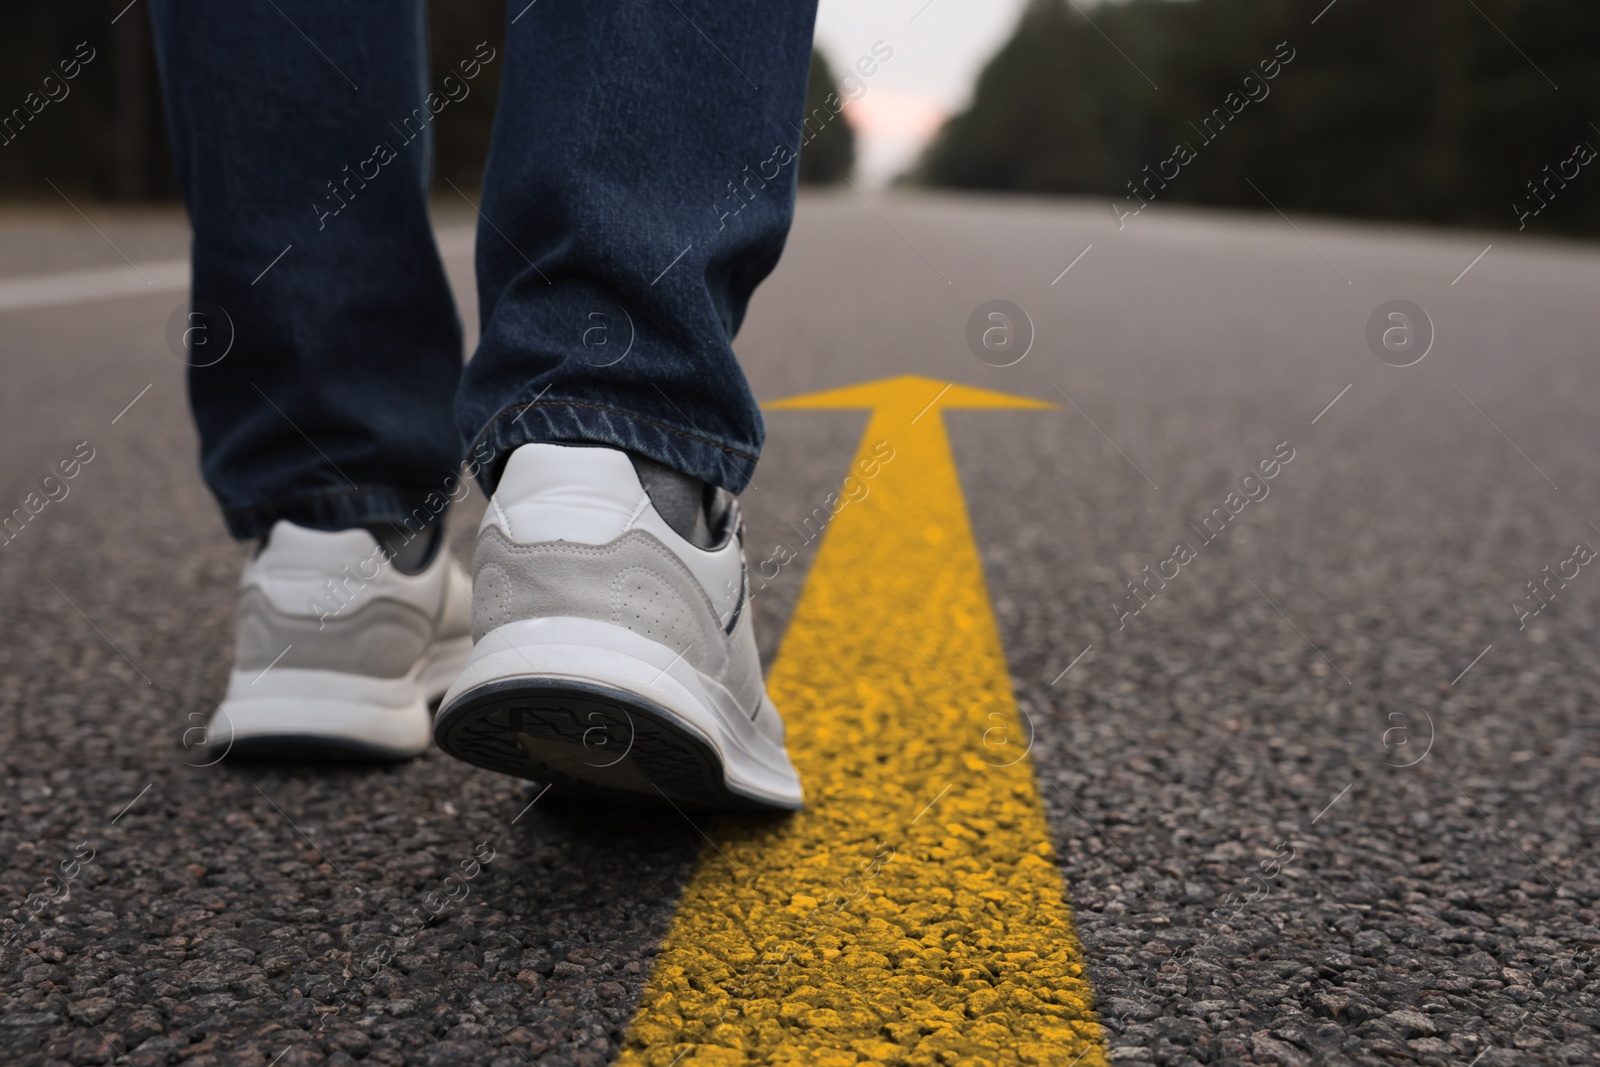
(1327, 797)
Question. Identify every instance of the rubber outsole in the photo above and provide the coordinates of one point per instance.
(309, 748)
(588, 740)
(318, 748)
(319, 716)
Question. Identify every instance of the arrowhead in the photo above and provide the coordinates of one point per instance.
(909, 392)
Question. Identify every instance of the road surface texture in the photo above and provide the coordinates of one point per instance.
(1322, 789)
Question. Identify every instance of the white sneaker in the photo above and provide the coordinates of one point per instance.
(613, 656)
(339, 652)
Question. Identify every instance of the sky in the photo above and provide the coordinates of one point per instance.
(939, 46)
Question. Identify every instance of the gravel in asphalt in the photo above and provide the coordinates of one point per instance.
(1320, 801)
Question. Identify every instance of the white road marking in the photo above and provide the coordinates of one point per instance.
(159, 276)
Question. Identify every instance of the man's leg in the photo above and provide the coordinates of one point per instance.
(324, 351)
(640, 185)
(302, 141)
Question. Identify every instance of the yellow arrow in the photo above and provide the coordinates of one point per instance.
(913, 912)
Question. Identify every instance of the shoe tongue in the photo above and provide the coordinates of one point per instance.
(679, 498)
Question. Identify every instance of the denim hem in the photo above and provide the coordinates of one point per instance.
(556, 421)
(338, 509)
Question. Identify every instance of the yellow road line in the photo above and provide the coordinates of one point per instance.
(914, 912)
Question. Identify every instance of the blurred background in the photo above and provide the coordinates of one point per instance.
(1432, 111)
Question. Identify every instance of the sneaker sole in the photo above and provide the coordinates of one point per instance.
(588, 740)
(602, 712)
(290, 713)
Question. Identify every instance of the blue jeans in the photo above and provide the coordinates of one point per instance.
(640, 185)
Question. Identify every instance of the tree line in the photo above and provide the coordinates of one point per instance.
(1478, 113)
(101, 132)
